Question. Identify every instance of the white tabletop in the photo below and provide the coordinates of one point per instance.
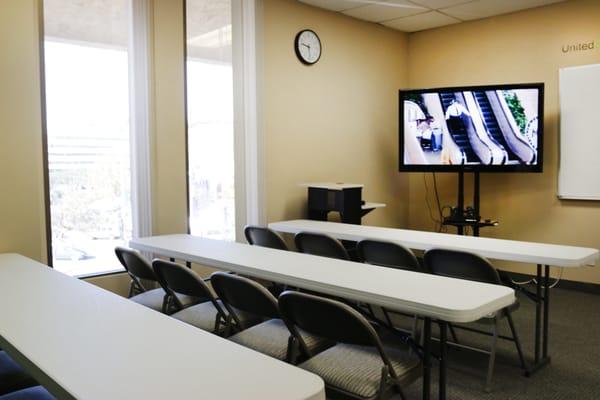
(499, 249)
(448, 299)
(96, 345)
(332, 185)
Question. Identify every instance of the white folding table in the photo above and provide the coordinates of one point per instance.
(433, 297)
(542, 254)
(82, 342)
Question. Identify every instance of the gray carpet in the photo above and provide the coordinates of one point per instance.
(574, 372)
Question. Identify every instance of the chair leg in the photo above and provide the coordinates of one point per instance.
(490, 372)
(453, 333)
(130, 294)
(415, 331)
(291, 356)
(385, 379)
(229, 330)
(387, 317)
(370, 310)
(516, 339)
(165, 304)
(216, 328)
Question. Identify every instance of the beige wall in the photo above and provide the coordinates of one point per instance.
(22, 223)
(169, 168)
(521, 47)
(336, 120)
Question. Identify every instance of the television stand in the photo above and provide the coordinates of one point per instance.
(469, 217)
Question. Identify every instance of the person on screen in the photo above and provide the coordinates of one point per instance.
(436, 135)
(413, 153)
(424, 128)
(455, 109)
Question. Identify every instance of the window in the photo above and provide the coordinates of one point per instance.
(88, 132)
(211, 160)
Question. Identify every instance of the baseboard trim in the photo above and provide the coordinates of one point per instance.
(585, 287)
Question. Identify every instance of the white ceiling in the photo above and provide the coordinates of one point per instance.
(418, 15)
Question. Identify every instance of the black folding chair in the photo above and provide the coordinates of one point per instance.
(265, 237)
(271, 336)
(139, 270)
(189, 299)
(359, 365)
(320, 245)
(469, 266)
(390, 255)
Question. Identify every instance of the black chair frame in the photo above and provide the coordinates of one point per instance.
(137, 267)
(390, 255)
(338, 322)
(464, 265)
(242, 294)
(176, 279)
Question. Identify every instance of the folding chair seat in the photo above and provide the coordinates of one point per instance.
(12, 376)
(31, 393)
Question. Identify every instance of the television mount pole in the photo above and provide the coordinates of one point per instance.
(461, 202)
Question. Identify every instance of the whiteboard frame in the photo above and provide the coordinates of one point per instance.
(560, 194)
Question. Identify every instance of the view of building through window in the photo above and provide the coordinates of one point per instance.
(87, 98)
(210, 119)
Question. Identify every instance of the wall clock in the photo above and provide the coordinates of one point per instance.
(308, 47)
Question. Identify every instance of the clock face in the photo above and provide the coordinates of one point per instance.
(308, 47)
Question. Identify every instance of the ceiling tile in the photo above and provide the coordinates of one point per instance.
(421, 22)
(436, 4)
(487, 8)
(380, 12)
(334, 5)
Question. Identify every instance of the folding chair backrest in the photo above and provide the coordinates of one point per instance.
(320, 245)
(264, 237)
(326, 318)
(461, 265)
(135, 265)
(244, 294)
(387, 254)
(177, 279)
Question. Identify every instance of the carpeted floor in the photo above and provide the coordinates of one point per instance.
(574, 347)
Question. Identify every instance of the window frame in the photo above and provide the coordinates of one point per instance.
(140, 125)
(248, 142)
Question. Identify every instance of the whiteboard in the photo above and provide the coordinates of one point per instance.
(579, 168)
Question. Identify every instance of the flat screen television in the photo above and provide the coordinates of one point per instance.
(494, 128)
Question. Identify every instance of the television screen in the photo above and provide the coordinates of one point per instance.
(477, 128)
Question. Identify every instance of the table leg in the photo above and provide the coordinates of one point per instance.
(427, 359)
(546, 310)
(538, 312)
(443, 359)
(541, 358)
